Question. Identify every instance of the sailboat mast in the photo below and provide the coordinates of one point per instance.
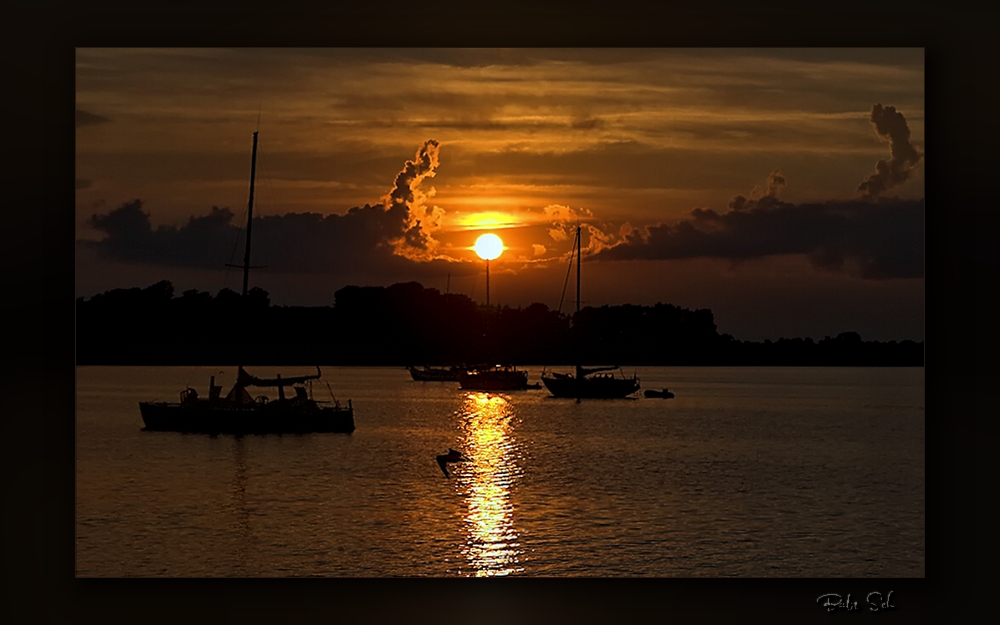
(579, 371)
(246, 255)
(579, 253)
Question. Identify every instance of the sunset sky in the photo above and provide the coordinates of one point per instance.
(781, 188)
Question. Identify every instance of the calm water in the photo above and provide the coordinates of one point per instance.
(756, 472)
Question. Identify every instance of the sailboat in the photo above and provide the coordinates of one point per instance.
(238, 412)
(589, 382)
(494, 378)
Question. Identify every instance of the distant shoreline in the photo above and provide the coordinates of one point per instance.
(407, 324)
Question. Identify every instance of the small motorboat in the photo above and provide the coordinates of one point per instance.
(664, 394)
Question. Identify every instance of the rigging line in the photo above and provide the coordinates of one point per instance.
(569, 270)
(331, 393)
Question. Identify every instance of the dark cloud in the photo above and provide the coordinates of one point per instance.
(82, 183)
(83, 118)
(877, 241)
(202, 242)
(775, 182)
(890, 126)
(294, 242)
(370, 244)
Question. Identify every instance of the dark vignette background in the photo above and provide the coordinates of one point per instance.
(38, 305)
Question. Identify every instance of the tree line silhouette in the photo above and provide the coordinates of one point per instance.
(407, 324)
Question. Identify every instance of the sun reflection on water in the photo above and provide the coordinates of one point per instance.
(492, 545)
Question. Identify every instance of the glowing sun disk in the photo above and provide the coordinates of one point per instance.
(488, 246)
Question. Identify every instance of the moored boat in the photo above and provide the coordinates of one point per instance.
(496, 378)
(589, 382)
(435, 374)
(238, 412)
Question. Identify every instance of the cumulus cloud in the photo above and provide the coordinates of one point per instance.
(563, 220)
(371, 244)
(558, 234)
(596, 239)
(874, 240)
(384, 235)
(417, 241)
(890, 126)
(775, 182)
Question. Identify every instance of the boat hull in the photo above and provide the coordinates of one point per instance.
(591, 388)
(494, 381)
(433, 375)
(209, 418)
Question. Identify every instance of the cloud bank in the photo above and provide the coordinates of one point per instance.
(382, 237)
(875, 241)
(294, 242)
(872, 237)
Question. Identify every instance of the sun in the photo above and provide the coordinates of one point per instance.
(488, 246)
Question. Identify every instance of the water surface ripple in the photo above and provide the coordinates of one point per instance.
(748, 472)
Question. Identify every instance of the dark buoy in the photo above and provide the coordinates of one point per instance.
(664, 394)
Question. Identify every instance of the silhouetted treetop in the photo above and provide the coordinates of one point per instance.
(406, 323)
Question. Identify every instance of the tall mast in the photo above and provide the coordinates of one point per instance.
(579, 252)
(579, 372)
(246, 256)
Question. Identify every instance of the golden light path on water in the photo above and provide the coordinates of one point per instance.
(492, 545)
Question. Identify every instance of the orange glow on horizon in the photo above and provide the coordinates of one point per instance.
(486, 220)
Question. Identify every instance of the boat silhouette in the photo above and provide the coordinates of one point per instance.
(664, 394)
(238, 412)
(495, 378)
(589, 382)
(435, 374)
